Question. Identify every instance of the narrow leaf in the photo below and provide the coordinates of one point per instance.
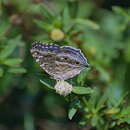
(17, 70)
(88, 23)
(72, 112)
(66, 20)
(43, 25)
(1, 72)
(4, 26)
(12, 61)
(82, 90)
(46, 84)
(9, 48)
(121, 11)
(46, 12)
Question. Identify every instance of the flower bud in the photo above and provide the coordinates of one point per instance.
(63, 88)
(57, 34)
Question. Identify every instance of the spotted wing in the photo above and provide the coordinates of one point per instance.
(50, 57)
(45, 55)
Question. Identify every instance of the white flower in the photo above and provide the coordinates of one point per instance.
(63, 88)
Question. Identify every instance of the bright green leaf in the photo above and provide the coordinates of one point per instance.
(81, 78)
(121, 11)
(4, 26)
(125, 112)
(17, 70)
(72, 112)
(46, 84)
(87, 23)
(44, 25)
(67, 23)
(12, 61)
(95, 120)
(46, 12)
(34, 9)
(104, 75)
(82, 90)
(9, 48)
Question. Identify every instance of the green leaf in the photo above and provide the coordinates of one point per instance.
(81, 78)
(67, 23)
(46, 12)
(126, 111)
(4, 26)
(123, 116)
(127, 51)
(34, 8)
(92, 102)
(115, 93)
(74, 106)
(9, 48)
(43, 25)
(17, 70)
(95, 120)
(121, 11)
(12, 61)
(87, 23)
(1, 72)
(46, 84)
(72, 112)
(82, 90)
(104, 75)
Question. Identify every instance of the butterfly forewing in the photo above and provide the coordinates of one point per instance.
(61, 62)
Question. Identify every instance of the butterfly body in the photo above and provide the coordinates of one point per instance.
(61, 62)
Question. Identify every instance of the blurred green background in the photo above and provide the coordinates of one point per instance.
(101, 29)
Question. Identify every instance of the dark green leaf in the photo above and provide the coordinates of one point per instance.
(1, 72)
(127, 51)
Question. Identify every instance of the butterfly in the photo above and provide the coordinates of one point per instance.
(60, 62)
